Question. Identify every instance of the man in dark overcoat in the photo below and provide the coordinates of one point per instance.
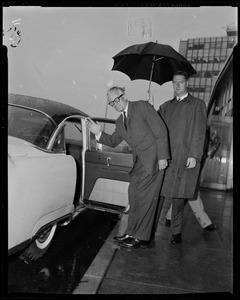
(141, 127)
(186, 120)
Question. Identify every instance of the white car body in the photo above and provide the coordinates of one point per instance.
(56, 169)
(37, 185)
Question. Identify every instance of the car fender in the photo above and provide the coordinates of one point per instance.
(58, 215)
(40, 188)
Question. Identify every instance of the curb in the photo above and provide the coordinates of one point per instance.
(94, 275)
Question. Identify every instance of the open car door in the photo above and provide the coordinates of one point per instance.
(106, 172)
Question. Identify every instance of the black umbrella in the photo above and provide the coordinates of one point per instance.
(151, 61)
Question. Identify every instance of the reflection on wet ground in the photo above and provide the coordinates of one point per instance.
(201, 266)
(62, 267)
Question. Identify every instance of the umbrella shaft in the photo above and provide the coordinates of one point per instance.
(151, 73)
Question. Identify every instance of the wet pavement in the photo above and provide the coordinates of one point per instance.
(202, 264)
(72, 251)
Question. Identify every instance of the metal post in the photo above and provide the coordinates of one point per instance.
(105, 114)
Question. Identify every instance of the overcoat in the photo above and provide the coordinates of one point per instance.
(146, 134)
(186, 122)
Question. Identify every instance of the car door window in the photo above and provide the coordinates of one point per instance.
(73, 138)
(109, 128)
(73, 132)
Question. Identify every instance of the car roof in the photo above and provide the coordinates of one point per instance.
(56, 110)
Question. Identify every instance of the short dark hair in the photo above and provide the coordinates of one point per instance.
(183, 73)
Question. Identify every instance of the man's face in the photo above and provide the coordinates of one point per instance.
(116, 99)
(180, 85)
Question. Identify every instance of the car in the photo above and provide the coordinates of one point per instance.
(56, 170)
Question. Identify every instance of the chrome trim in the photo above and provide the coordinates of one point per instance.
(34, 109)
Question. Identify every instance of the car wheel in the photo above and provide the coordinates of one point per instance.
(40, 245)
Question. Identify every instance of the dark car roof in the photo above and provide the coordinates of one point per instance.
(57, 111)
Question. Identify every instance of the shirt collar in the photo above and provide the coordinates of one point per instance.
(126, 109)
(183, 97)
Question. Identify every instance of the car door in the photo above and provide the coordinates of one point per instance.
(106, 172)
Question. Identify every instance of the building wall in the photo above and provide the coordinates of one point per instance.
(223, 95)
(207, 56)
(218, 171)
(212, 58)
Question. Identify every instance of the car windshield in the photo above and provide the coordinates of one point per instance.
(29, 125)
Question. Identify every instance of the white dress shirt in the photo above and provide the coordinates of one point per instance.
(182, 97)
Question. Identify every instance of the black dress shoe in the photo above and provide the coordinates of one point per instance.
(167, 222)
(121, 238)
(135, 243)
(210, 227)
(176, 239)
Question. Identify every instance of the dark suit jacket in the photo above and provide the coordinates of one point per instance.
(146, 134)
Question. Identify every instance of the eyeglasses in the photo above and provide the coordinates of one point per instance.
(116, 100)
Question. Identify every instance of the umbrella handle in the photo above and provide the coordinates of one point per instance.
(151, 73)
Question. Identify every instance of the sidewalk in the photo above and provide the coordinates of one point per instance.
(203, 263)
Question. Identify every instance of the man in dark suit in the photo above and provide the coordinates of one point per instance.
(145, 132)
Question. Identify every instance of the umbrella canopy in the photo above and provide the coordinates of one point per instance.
(151, 61)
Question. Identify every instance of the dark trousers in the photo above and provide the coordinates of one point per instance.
(157, 216)
(177, 214)
(143, 199)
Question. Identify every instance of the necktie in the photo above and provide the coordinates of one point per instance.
(125, 120)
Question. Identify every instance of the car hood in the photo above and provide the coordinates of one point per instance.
(18, 147)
